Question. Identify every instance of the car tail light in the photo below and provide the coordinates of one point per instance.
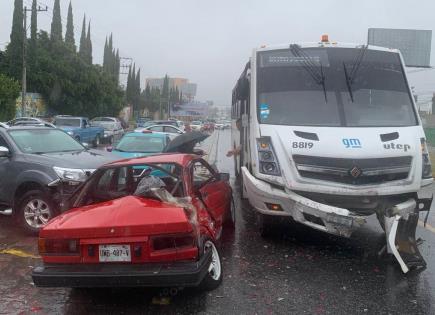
(426, 165)
(165, 242)
(268, 162)
(58, 246)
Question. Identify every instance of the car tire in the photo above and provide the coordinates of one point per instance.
(213, 278)
(97, 141)
(39, 204)
(77, 138)
(230, 219)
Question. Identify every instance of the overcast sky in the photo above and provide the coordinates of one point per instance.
(209, 42)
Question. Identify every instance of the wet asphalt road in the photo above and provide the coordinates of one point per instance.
(295, 271)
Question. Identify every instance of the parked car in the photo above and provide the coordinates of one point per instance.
(112, 128)
(80, 129)
(39, 166)
(21, 121)
(128, 228)
(140, 122)
(136, 144)
(168, 130)
(161, 122)
(196, 125)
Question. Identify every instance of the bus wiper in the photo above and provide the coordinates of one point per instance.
(350, 77)
(348, 82)
(310, 67)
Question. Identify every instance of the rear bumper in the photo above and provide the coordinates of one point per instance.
(319, 216)
(177, 274)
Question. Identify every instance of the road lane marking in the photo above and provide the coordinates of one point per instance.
(428, 227)
(18, 253)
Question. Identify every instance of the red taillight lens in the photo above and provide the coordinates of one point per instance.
(58, 247)
(173, 241)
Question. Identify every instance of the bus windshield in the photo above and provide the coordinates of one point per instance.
(289, 94)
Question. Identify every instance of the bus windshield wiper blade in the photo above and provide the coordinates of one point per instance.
(310, 67)
(348, 82)
(350, 77)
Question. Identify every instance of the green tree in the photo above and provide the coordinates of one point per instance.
(14, 50)
(56, 22)
(69, 35)
(88, 57)
(34, 22)
(83, 49)
(9, 91)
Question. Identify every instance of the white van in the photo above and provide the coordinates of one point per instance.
(329, 134)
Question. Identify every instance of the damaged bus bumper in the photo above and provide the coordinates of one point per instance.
(319, 216)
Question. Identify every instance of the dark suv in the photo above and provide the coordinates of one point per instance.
(39, 167)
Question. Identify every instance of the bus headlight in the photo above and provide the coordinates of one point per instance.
(267, 158)
(426, 164)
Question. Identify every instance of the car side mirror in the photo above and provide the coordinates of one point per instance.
(109, 149)
(224, 177)
(4, 152)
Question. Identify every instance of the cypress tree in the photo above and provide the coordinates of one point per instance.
(89, 45)
(34, 22)
(14, 51)
(82, 49)
(105, 57)
(69, 35)
(118, 66)
(56, 22)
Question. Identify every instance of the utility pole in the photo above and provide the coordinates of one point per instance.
(24, 79)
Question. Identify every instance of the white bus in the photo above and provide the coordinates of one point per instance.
(329, 134)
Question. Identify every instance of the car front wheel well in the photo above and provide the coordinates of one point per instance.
(25, 187)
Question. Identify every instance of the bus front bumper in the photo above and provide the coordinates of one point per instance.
(330, 219)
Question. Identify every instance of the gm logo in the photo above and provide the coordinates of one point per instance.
(352, 143)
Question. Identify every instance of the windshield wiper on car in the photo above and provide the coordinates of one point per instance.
(310, 67)
(350, 77)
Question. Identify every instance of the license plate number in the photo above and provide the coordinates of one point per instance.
(109, 253)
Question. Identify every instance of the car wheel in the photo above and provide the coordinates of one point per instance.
(213, 277)
(77, 138)
(97, 141)
(34, 211)
(230, 220)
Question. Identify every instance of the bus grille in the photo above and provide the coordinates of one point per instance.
(353, 171)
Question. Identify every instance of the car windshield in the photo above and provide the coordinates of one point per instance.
(67, 122)
(378, 95)
(141, 143)
(39, 141)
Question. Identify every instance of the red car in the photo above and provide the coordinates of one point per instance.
(119, 232)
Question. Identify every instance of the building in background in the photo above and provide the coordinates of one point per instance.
(184, 86)
(415, 45)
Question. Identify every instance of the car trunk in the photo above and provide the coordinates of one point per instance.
(123, 217)
(126, 226)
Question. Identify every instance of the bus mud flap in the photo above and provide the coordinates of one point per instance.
(401, 242)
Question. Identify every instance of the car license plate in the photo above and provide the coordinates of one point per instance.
(110, 253)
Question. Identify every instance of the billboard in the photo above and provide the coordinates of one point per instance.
(191, 109)
(415, 45)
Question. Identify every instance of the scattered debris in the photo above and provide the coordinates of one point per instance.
(18, 253)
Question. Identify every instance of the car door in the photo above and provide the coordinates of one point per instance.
(4, 173)
(87, 131)
(211, 190)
